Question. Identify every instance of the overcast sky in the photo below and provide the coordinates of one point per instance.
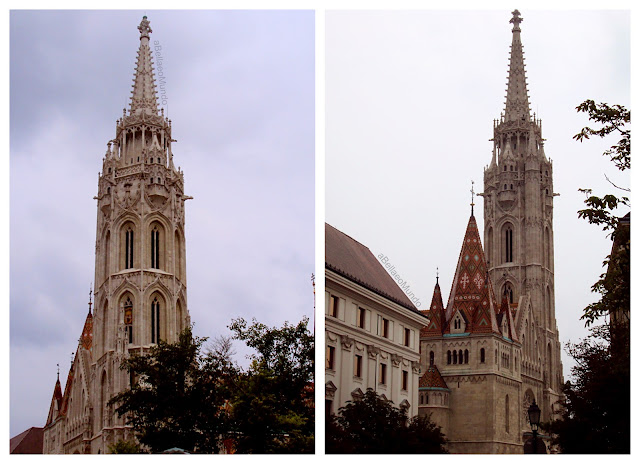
(240, 92)
(410, 103)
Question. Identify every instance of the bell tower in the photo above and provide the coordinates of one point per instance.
(140, 269)
(518, 219)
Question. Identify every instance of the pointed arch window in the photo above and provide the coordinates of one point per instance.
(508, 292)
(482, 355)
(508, 244)
(455, 357)
(431, 358)
(448, 356)
(466, 356)
(155, 248)
(155, 321)
(128, 259)
(128, 319)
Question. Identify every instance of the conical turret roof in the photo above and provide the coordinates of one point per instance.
(143, 98)
(517, 104)
(436, 314)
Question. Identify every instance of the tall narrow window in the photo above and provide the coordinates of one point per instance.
(385, 328)
(155, 321)
(383, 374)
(357, 368)
(361, 317)
(333, 308)
(128, 259)
(455, 357)
(506, 414)
(407, 336)
(155, 248)
(330, 359)
(466, 356)
(508, 243)
(448, 356)
(128, 319)
(482, 355)
(431, 358)
(405, 380)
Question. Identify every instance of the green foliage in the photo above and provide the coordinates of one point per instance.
(272, 408)
(597, 414)
(177, 395)
(124, 447)
(372, 425)
(614, 285)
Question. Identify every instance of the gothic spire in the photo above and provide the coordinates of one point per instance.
(517, 104)
(143, 95)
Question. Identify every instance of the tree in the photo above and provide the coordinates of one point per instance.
(272, 408)
(372, 425)
(176, 396)
(614, 285)
(596, 416)
(124, 447)
(596, 413)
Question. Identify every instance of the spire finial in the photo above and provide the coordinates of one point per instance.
(515, 20)
(472, 194)
(58, 365)
(90, 295)
(144, 28)
(437, 275)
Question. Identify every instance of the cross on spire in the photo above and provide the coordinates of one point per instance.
(472, 194)
(437, 275)
(90, 294)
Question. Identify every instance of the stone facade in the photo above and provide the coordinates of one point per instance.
(489, 366)
(140, 270)
(371, 329)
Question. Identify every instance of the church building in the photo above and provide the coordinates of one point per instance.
(494, 348)
(140, 271)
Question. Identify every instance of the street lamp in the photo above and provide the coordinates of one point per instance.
(534, 420)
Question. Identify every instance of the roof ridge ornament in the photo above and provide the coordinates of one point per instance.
(472, 194)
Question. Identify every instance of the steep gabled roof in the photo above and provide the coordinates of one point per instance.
(505, 312)
(354, 261)
(471, 290)
(86, 339)
(436, 314)
(432, 378)
(56, 402)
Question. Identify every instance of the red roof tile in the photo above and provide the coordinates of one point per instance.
(432, 378)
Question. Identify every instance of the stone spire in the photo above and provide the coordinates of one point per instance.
(143, 98)
(517, 104)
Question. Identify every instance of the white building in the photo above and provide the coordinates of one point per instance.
(372, 328)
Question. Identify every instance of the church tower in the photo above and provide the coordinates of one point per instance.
(518, 226)
(140, 269)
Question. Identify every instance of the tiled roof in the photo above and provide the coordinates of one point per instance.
(28, 442)
(354, 261)
(437, 317)
(432, 378)
(86, 339)
(471, 290)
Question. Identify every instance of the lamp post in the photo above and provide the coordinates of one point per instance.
(534, 420)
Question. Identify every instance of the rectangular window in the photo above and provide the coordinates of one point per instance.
(357, 367)
(361, 317)
(333, 306)
(383, 374)
(385, 328)
(407, 336)
(405, 380)
(331, 353)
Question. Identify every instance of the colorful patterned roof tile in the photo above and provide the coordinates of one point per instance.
(471, 290)
(437, 317)
(432, 379)
(86, 339)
